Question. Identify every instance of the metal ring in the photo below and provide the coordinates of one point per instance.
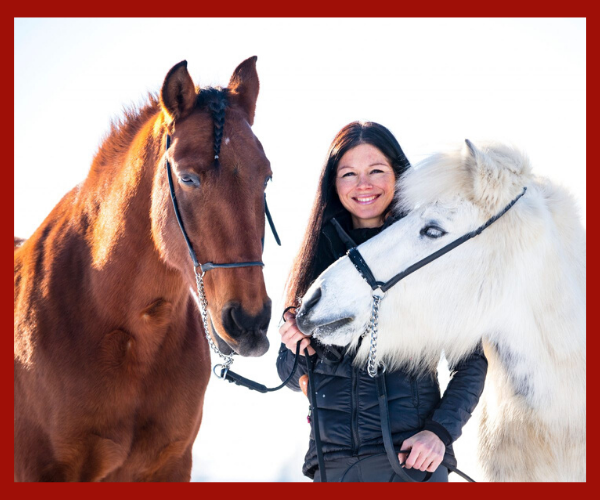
(223, 373)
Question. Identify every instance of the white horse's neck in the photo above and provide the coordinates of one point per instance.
(536, 344)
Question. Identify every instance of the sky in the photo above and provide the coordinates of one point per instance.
(432, 82)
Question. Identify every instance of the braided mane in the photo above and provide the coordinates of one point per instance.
(215, 98)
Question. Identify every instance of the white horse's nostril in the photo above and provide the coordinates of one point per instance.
(312, 300)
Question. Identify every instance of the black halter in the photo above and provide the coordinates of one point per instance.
(364, 270)
(210, 265)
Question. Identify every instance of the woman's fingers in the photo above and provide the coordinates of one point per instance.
(426, 454)
(434, 464)
(291, 335)
(288, 315)
(305, 344)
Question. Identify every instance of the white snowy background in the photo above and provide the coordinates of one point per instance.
(432, 82)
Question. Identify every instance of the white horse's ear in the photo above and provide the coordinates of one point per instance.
(473, 150)
(498, 173)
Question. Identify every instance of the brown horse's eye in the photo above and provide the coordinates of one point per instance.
(267, 181)
(191, 180)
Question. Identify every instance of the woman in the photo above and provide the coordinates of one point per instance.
(356, 188)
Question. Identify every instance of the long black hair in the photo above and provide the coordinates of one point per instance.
(327, 203)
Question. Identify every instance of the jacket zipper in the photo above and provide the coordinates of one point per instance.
(354, 403)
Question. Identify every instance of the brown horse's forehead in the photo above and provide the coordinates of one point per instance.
(240, 142)
(194, 138)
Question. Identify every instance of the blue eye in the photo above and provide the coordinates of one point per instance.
(347, 174)
(191, 180)
(432, 231)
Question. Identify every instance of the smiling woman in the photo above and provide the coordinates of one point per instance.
(365, 184)
(357, 187)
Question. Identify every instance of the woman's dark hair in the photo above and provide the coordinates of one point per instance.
(327, 203)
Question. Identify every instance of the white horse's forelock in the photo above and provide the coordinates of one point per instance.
(488, 176)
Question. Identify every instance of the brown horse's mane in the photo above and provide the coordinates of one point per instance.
(124, 128)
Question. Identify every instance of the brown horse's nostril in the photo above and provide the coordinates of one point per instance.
(232, 312)
(248, 331)
(309, 303)
(237, 321)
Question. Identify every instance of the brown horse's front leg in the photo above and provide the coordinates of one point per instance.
(174, 464)
(89, 458)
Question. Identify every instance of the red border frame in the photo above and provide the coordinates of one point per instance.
(308, 8)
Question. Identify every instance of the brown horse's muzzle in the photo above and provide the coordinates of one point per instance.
(248, 331)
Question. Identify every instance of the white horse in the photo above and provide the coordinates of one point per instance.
(519, 286)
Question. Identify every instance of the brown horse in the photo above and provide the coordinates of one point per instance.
(111, 361)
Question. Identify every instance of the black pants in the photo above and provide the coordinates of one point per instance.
(373, 469)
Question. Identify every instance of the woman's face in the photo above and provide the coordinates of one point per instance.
(365, 183)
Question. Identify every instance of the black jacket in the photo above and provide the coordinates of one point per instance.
(347, 396)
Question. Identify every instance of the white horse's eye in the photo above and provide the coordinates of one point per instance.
(432, 231)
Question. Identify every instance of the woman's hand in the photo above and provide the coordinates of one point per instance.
(290, 335)
(426, 451)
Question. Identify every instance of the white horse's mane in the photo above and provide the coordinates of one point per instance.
(458, 172)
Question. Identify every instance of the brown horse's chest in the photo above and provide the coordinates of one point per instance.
(166, 418)
(135, 395)
(166, 422)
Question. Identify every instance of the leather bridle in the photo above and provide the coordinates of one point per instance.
(201, 269)
(210, 265)
(364, 270)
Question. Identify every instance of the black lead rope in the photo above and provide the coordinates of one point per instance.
(315, 417)
(389, 444)
(237, 379)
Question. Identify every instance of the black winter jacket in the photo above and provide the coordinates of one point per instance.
(347, 396)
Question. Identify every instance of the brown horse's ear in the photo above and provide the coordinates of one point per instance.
(178, 94)
(243, 86)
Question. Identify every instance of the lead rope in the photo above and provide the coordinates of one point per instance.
(379, 376)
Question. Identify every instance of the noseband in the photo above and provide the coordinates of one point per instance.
(380, 288)
(204, 268)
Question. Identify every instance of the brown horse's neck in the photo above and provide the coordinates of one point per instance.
(95, 259)
(119, 206)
